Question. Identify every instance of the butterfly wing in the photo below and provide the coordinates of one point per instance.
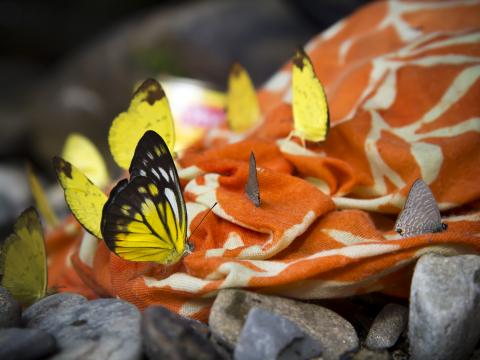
(420, 214)
(309, 102)
(41, 199)
(81, 152)
(145, 219)
(251, 188)
(149, 110)
(243, 110)
(23, 261)
(84, 199)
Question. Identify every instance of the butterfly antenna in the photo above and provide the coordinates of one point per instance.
(196, 227)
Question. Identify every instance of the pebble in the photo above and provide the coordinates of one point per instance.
(36, 313)
(99, 329)
(10, 311)
(25, 344)
(229, 311)
(445, 307)
(387, 327)
(367, 354)
(167, 335)
(267, 336)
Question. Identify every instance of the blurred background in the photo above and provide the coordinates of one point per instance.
(71, 66)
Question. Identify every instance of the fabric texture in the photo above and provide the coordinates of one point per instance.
(402, 82)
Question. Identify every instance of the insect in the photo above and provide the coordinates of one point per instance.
(309, 102)
(84, 199)
(41, 199)
(81, 152)
(251, 188)
(420, 214)
(145, 217)
(23, 260)
(243, 110)
(148, 110)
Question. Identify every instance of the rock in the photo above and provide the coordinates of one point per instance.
(10, 311)
(88, 330)
(36, 313)
(387, 327)
(25, 344)
(445, 307)
(400, 355)
(229, 311)
(266, 335)
(167, 335)
(367, 354)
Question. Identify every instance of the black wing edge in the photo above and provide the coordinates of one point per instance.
(147, 143)
(111, 198)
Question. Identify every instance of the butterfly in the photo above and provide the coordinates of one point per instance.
(148, 110)
(81, 152)
(145, 217)
(84, 199)
(23, 260)
(309, 102)
(41, 199)
(251, 188)
(420, 214)
(243, 110)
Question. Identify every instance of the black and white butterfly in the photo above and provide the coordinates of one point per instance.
(145, 217)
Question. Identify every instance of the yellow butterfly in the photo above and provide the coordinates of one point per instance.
(145, 218)
(148, 110)
(309, 102)
(23, 260)
(82, 153)
(41, 200)
(84, 199)
(243, 110)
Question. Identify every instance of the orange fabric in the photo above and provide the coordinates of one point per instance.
(403, 85)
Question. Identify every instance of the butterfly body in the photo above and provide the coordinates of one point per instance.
(420, 214)
(145, 217)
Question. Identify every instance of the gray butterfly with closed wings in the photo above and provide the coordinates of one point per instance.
(251, 189)
(420, 214)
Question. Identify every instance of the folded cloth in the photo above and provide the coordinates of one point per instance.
(402, 81)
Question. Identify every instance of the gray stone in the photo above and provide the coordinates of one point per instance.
(367, 354)
(267, 336)
(10, 311)
(167, 335)
(90, 330)
(229, 311)
(36, 313)
(387, 327)
(25, 344)
(444, 307)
